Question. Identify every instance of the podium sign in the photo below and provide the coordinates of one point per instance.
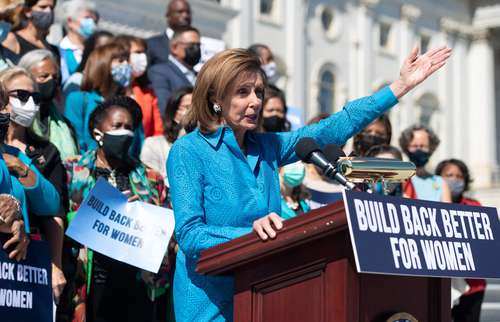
(399, 236)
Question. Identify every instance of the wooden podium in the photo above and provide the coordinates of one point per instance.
(308, 273)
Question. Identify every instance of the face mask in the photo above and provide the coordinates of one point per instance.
(293, 174)
(115, 143)
(23, 114)
(4, 30)
(367, 141)
(457, 187)
(192, 55)
(87, 27)
(419, 157)
(4, 126)
(47, 90)
(42, 19)
(274, 124)
(139, 63)
(122, 74)
(271, 70)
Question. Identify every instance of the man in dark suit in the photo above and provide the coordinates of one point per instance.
(178, 15)
(178, 71)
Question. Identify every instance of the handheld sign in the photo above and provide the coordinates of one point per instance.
(26, 286)
(422, 238)
(136, 233)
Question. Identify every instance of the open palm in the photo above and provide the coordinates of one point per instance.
(416, 68)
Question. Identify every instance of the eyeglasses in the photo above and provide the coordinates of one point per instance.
(24, 95)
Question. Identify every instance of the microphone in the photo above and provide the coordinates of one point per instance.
(333, 152)
(309, 151)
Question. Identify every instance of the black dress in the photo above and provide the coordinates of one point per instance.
(25, 47)
(117, 294)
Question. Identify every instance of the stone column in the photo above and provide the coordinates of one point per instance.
(295, 16)
(445, 118)
(365, 54)
(240, 30)
(481, 110)
(403, 115)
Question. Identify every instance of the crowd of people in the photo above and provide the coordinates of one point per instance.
(98, 105)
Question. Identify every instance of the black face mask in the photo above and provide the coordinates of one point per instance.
(419, 157)
(4, 126)
(47, 90)
(192, 55)
(367, 141)
(116, 146)
(42, 20)
(274, 124)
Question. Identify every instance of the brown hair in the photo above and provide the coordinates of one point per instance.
(407, 136)
(97, 72)
(214, 81)
(126, 41)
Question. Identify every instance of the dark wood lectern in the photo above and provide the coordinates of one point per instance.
(308, 273)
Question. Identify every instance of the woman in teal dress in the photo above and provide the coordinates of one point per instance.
(224, 175)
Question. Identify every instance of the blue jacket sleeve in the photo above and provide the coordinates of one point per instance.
(43, 198)
(185, 173)
(74, 111)
(5, 183)
(339, 127)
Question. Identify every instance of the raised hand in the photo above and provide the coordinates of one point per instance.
(416, 68)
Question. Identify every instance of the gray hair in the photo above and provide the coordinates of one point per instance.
(7, 75)
(73, 8)
(407, 136)
(36, 56)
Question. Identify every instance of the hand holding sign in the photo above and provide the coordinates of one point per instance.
(136, 233)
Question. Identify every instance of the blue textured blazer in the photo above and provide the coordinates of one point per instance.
(218, 192)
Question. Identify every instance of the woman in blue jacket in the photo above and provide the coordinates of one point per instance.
(107, 73)
(224, 175)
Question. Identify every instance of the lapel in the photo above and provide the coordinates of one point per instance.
(253, 152)
(178, 72)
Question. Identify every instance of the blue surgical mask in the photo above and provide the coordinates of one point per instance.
(293, 174)
(87, 27)
(456, 186)
(122, 74)
(4, 30)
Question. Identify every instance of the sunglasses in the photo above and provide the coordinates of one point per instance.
(24, 96)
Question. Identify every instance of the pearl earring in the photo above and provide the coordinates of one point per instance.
(217, 108)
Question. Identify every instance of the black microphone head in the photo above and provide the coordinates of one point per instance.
(305, 147)
(333, 152)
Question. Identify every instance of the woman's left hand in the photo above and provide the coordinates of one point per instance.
(264, 226)
(58, 282)
(416, 68)
(19, 240)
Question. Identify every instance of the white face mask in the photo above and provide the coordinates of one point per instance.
(271, 71)
(139, 63)
(23, 113)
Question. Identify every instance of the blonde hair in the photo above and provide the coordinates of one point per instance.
(214, 80)
(10, 74)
